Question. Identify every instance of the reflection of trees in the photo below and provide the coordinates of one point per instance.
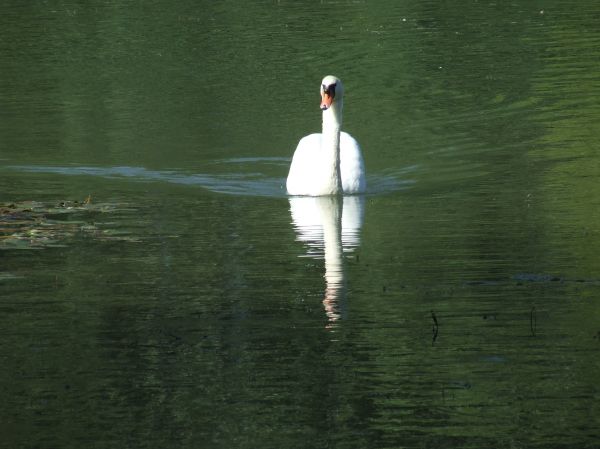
(186, 330)
(508, 133)
(484, 99)
(114, 84)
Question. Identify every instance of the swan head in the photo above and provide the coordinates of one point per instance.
(332, 92)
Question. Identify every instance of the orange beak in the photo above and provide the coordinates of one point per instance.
(326, 101)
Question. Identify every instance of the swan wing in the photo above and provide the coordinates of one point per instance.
(306, 158)
(352, 166)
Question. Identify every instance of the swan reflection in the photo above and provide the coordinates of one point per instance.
(329, 226)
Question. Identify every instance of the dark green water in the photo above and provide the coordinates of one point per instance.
(190, 303)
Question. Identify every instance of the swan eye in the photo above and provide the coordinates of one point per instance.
(329, 90)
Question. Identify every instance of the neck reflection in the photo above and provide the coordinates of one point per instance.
(329, 226)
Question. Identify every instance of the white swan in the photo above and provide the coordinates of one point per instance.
(329, 163)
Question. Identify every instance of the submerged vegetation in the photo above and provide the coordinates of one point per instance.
(37, 225)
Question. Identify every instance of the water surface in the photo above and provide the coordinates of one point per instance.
(159, 289)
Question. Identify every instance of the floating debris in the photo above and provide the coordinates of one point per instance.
(37, 225)
(435, 328)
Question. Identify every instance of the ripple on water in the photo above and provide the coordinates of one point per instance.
(254, 176)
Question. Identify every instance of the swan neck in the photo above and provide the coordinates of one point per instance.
(332, 118)
(332, 124)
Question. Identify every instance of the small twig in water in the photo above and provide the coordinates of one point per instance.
(435, 327)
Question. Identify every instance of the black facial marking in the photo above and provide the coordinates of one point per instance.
(329, 90)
